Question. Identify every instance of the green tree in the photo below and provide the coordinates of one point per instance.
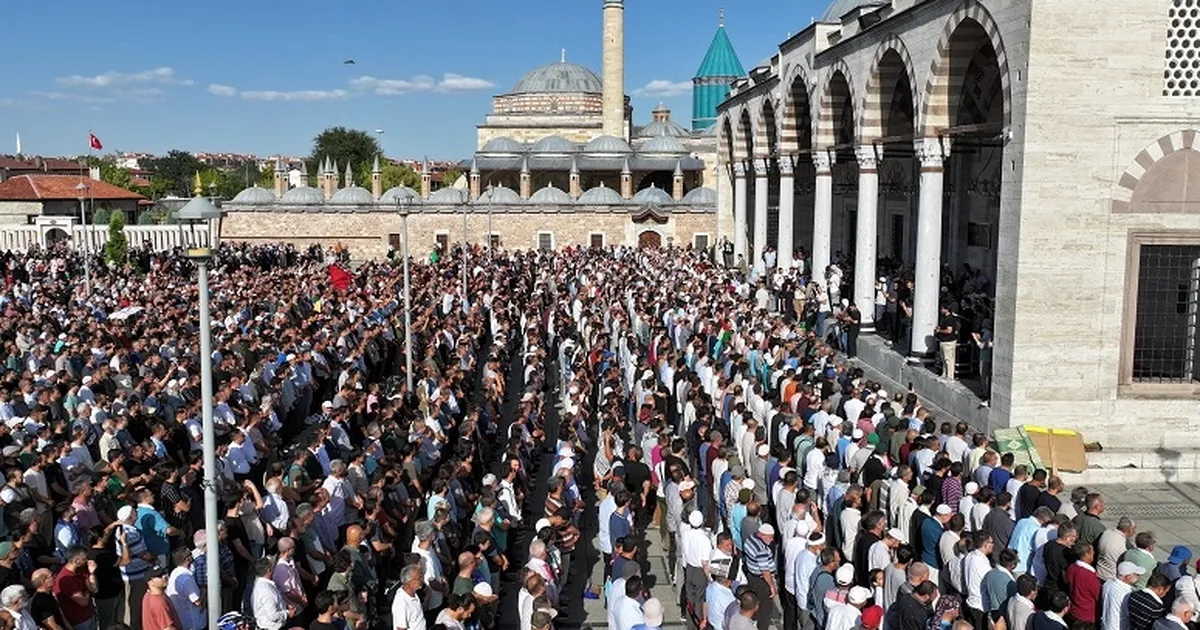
(353, 146)
(173, 173)
(116, 249)
(100, 215)
(398, 175)
(111, 172)
(223, 183)
(266, 177)
(450, 176)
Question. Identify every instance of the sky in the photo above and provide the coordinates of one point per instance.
(265, 77)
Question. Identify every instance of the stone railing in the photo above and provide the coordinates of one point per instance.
(160, 237)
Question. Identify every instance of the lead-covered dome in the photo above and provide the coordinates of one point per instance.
(607, 145)
(663, 145)
(700, 196)
(550, 195)
(652, 195)
(600, 196)
(502, 144)
(662, 128)
(448, 195)
(355, 195)
(401, 193)
(559, 77)
(554, 144)
(304, 196)
(500, 194)
(254, 194)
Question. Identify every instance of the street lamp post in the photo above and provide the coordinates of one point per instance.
(491, 248)
(81, 189)
(200, 209)
(402, 210)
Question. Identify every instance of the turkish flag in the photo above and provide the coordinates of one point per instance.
(339, 278)
(94, 142)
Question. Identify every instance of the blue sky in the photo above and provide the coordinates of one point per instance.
(261, 77)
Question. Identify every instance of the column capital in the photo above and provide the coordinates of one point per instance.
(932, 151)
(785, 166)
(823, 161)
(762, 166)
(739, 169)
(867, 160)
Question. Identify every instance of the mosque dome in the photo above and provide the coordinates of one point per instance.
(554, 144)
(304, 196)
(550, 195)
(607, 144)
(700, 196)
(601, 196)
(663, 144)
(254, 194)
(662, 128)
(502, 144)
(399, 192)
(355, 195)
(841, 7)
(448, 195)
(559, 77)
(500, 194)
(652, 195)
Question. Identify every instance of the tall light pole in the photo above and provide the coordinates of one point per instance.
(81, 189)
(402, 210)
(491, 248)
(196, 210)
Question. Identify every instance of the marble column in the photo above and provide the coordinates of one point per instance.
(787, 219)
(927, 269)
(760, 212)
(822, 216)
(739, 210)
(867, 235)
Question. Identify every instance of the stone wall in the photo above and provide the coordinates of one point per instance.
(367, 234)
(18, 212)
(541, 103)
(582, 130)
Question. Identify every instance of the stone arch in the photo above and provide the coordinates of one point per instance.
(797, 128)
(948, 69)
(836, 97)
(766, 139)
(725, 141)
(1163, 178)
(743, 149)
(891, 63)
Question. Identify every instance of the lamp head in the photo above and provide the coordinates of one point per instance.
(200, 210)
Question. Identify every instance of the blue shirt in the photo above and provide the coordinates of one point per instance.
(998, 480)
(931, 533)
(618, 526)
(1021, 541)
(718, 599)
(153, 528)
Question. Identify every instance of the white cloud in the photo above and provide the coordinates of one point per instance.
(163, 76)
(222, 90)
(664, 89)
(450, 82)
(294, 95)
(78, 98)
(458, 83)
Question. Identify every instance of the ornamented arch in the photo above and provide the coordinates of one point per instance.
(794, 112)
(829, 113)
(743, 147)
(882, 79)
(766, 134)
(1160, 175)
(937, 110)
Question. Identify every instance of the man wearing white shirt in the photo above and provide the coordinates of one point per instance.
(956, 445)
(185, 593)
(270, 610)
(407, 613)
(975, 566)
(628, 611)
(239, 454)
(1114, 597)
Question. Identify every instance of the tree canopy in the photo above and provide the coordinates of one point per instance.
(353, 146)
(175, 171)
(392, 175)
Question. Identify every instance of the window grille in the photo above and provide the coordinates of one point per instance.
(1181, 73)
(1168, 298)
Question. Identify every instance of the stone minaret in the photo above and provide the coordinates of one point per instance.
(349, 177)
(626, 181)
(376, 180)
(303, 174)
(281, 183)
(525, 183)
(330, 178)
(575, 192)
(677, 181)
(474, 179)
(613, 57)
(426, 180)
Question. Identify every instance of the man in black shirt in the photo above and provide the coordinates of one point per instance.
(947, 337)
(1057, 556)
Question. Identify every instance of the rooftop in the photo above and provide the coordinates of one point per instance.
(60, 188)
(559, 77)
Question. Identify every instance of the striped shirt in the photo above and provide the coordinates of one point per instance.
(760, 558)
(136, 569)
(1144, 609)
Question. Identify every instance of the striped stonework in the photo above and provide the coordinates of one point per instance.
(949, 66)
(766, 136)
(797, 116)
(1184, 140)
(891, 64)
(743, 148)
(838, 85)
(725, 141)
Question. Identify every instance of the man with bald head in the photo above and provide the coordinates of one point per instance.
(363, 574)
(287, 576)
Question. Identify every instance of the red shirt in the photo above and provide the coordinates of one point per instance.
(158, 613)
(1083, 585)
(69, 583)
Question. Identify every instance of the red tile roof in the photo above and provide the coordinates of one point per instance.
(14, 164)
(58, 188)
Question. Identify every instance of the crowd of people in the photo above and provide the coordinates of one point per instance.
(559, 400)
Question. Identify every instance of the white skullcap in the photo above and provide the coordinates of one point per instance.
(696, 519)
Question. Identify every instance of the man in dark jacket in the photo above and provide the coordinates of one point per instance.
(911, 610)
